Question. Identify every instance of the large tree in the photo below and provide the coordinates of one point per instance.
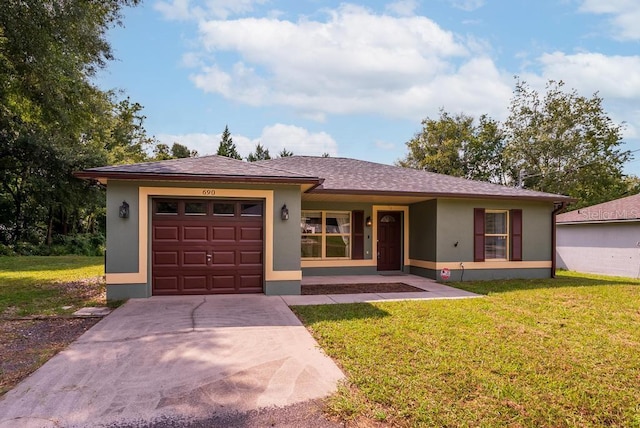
(53, 119)
(456, 145)
(558, 142)
(563, 142)
(227, 147)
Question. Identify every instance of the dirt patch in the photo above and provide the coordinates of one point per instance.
(393, 287)
(27, 344)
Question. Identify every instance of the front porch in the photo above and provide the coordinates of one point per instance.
(431, 290)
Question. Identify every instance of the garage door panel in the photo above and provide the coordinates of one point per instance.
(223, 282)
(165, 258)
(194, 258)
(166, 233)
(250, 233)
(251, 258)
(227, 258)
(250, 281)
(223, 233)
(195, 233)
(166, 283)
(194, 283)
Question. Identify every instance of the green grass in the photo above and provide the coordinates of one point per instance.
(554, 353)
(33, 285)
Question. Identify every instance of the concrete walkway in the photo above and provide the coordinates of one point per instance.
(175, 357)
(431, 290)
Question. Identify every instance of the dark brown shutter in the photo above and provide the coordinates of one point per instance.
(478, 234)
(357, 235)
(516, 234)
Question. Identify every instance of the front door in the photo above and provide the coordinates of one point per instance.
(389, 240)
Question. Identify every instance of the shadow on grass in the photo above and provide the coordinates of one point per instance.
(563, 279)
(341, 312)
(47, 263)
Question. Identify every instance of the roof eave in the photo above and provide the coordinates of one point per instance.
(550, 198)
(103, 176)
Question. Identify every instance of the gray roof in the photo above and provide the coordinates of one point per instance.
(204, 167)
(326, 175)
(344, 175)
(623, 209)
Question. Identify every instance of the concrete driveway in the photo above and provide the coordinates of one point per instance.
(182, 357)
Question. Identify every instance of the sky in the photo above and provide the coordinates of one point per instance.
(355, 79)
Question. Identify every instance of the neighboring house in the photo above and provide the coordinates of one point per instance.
(603, 238)
(218, 225)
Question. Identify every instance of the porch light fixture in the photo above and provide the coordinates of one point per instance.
(123, 211)
(368, 222)
(284, 212)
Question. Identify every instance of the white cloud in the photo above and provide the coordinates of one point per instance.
(625, 16)
(181, 10)
(612, 76)
(275, 138)
(354, 62)
(402, 7)
(468, 5)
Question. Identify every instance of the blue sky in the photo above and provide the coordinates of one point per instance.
(355, 79)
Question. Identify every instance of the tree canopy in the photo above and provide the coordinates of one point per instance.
(558, 142)
(54, 120)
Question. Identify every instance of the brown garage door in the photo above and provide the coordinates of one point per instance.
(207, 246)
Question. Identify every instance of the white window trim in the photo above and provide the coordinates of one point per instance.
(505, 235)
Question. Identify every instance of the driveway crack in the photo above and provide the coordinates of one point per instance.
(193, 313)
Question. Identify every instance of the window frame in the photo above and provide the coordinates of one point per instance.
(506, 235)
(324, 234)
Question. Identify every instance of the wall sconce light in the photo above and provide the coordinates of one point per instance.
(284, 212)
(368, 222)
(123, 211)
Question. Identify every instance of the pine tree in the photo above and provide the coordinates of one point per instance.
(227, 147)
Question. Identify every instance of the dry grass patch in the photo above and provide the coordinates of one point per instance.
(532, 353)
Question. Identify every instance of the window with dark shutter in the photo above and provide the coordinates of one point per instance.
(478, 234)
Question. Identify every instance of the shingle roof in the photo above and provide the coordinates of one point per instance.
(343, 175)
(205, 167)
(623, 209)
(330, 175)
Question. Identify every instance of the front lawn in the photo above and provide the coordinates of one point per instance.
(563, 352)
(38, 285)
(34, 324)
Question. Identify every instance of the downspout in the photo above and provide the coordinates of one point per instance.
(557, 207)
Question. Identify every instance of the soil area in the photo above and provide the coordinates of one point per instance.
(393, 287)
(26, 344)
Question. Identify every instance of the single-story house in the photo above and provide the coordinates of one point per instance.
(603, 238)
(217, 225)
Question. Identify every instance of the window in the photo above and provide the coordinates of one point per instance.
(166, 208)
(195, 208)
(325, 234)
(497, 235)
(224, 209)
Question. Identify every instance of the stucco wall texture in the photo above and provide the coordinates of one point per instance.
(608, 248)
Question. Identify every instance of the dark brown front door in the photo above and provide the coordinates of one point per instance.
(389, 240)
(207, 246)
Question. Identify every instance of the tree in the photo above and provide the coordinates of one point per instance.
(565, 143)
(326, 155)
(227, 147)
(179, 151)
(162, 152)
(284, 153)
(455, 145)
(259, 154)
(53, 120)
